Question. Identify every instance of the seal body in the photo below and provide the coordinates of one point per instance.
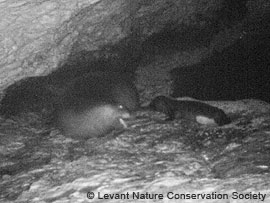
(193, 110)
(94, 121)
(87, 106)
(96, 104)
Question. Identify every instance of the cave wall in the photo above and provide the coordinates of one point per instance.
(37, 36)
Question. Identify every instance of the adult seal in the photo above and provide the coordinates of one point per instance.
(95, 105)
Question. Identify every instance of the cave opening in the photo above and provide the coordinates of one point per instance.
(241, 71)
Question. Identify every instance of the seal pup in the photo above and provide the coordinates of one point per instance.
(192, 110)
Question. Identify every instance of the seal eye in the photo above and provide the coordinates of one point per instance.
(120, 107)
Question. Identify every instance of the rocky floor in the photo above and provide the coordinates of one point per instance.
(152, 159)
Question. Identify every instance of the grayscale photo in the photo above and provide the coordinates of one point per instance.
(134, 101)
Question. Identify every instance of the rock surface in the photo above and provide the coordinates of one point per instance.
(152, 157)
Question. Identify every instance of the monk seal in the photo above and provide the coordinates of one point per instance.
(192, 110)
(87, 106)
(94, 121)
(95, 105)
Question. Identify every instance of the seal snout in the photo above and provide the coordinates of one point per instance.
(123, 115)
